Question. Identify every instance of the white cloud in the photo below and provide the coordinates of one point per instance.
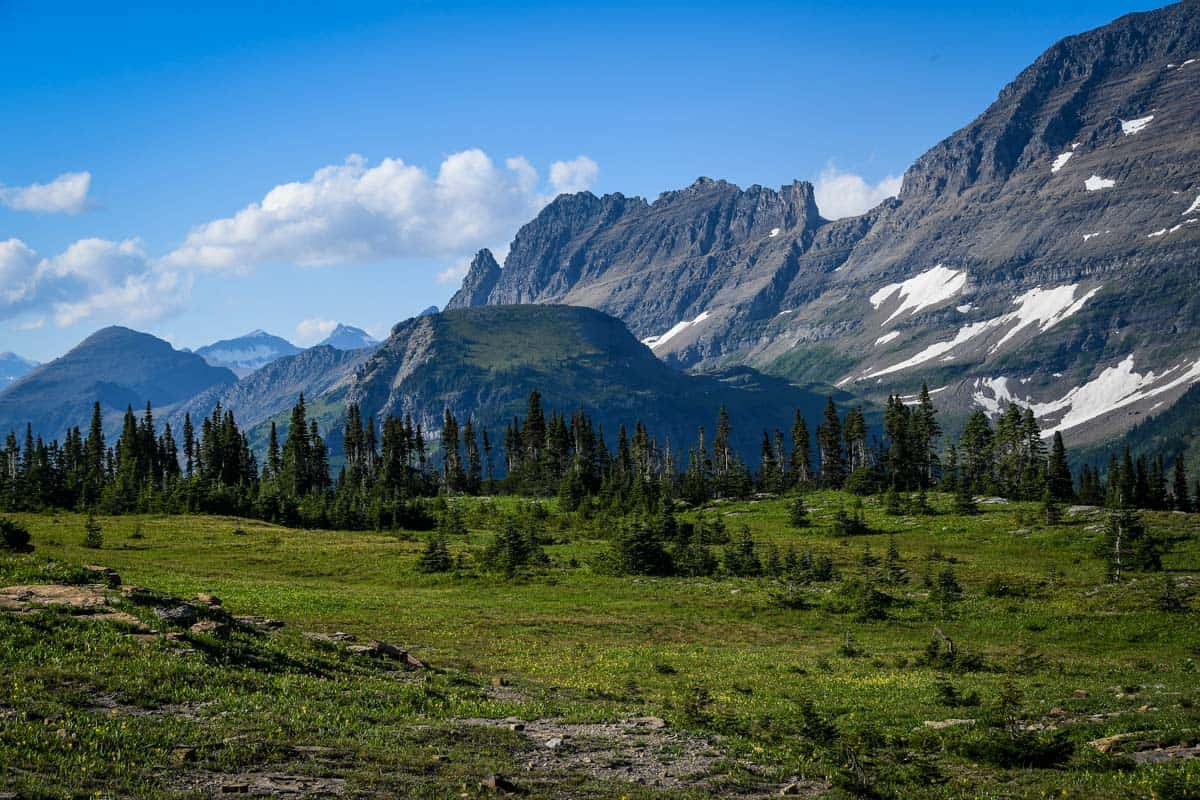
(573, 176)
(137, 299)
(18, 263)
(35, 324)
(66, 194)
(92, 280)
(454, 273)
(311, 331)
(844, 194)
(354, 212)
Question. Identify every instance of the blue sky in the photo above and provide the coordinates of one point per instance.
(141, 149)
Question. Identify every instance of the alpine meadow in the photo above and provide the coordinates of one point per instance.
(883, 484)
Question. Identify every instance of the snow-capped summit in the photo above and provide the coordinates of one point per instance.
(247, 353)
(347, 337)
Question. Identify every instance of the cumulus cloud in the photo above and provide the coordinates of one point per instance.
(844, 194)
(573, 176)
(66, 194)
(92, 280)
(354, 212)
(311, 331)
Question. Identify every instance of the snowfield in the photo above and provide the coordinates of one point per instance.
(1115, 387)
(1095, 183)
(923, 291)
(887, 337)
(1061, 160)
(1044, 308)
(655, 342)
(1194, 207)
(1130, 127)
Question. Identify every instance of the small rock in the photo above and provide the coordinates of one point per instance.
(212, 628)
(204, 598)
(655, 723)
(499, 783)
(793, 788)
(498, 681)
(555, 743)
(260, 624)
(516, 726)
(939, 724)
(105, 575)
(1080, 693)
(1058, 712)
(182, 615)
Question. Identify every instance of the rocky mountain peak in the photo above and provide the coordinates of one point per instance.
(480, 280)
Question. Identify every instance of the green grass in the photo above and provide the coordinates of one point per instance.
(575, 644)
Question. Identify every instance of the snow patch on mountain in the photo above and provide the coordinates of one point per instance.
(1044, 308)
(655, 342)
(1132, 126)
(1194, 207)
(1096, 183)
(1061, 160)
(887, 337)
(928, 289)
(1115, 387)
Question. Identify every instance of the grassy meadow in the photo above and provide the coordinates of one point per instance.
(765, 687)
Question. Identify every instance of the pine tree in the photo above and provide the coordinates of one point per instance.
(1058, 472)
(798, 513)
(436, 556)
(295, 469)
(274, 464)
(474, 472)
(829, 445)
(1180, 496)
(801, 466)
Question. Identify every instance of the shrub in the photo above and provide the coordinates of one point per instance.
(849, 524)
(13, 535)
(436, 556)
(639, 551)
(798, 513)
(1022, 749)
(93, 535)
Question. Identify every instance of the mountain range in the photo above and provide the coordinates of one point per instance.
(12, 366)
(115, 366)
(1045, 253)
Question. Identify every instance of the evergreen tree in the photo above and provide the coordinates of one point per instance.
(1058, 472)
(1182, 501)
(801, 461)
(436, 556)
(829, 445)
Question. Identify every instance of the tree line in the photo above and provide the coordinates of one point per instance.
(391, 470)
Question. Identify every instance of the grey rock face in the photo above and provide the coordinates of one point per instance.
(1058, 223)
(477, 286)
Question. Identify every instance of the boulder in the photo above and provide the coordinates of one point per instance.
(105, 575)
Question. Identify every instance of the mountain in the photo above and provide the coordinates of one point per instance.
(12, 366)
(1046, 253)
(275, 388)
(347, 337)
(117, 366)
(484, 362)
(247, 353)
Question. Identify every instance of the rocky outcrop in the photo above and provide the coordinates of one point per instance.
(1045, 253)
(477, 286)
